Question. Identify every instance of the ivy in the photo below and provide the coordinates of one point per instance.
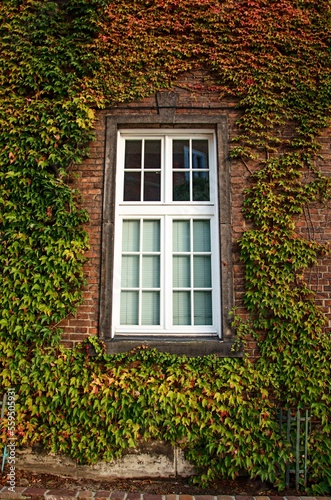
(59, 62)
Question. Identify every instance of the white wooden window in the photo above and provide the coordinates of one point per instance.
(166, 269)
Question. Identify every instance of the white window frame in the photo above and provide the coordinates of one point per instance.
(167, 210)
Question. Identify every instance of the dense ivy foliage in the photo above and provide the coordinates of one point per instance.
(59, 61)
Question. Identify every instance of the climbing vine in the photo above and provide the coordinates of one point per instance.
(59, 62)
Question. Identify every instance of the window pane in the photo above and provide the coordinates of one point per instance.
(130, 236)
(201, 186)
(181, 154)
(181, 186)
(151, 271)
(201, 236)
(130, 271)
(181, 235)
(181, 308)
(200, 154)
(152, 186)
(132, 186)
(129, 308)
(150, 314)
(151, 237)
(132, 154)
(181, 272)
(153, 154)
(202, 272)
(202, 308)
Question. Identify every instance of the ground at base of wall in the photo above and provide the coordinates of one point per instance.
(240, 486)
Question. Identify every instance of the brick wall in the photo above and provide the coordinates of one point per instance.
(196, 93)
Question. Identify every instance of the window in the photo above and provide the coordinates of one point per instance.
(155, 215)
(166, 278)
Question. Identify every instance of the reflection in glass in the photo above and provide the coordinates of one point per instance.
(180, 154)
(152, 186)
(152, 154)
(200, 154)
(133, 154)
(200, 186)
(181, 186)
(132, 186)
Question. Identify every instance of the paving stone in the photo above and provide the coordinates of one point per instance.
(244, 497)
(225, 497)
(102, 495)
(171, 497)
(185, 497)
(16, 494)
(204, 497)
(61, 495)
(149, 496)
(118, 495)
(133, 496)
(87, 494)
(35, 493)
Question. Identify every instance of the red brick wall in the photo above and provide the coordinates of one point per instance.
(193, 90)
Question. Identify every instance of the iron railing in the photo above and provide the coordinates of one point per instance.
(296, 424)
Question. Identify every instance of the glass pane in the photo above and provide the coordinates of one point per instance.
(132, 154)
(201, 236)
(151, 236)
(132, 186)
(130, 271)
(201, 186)
(181, 186)
(181, 235)
(151, 271)
(181, 272)
(200, 154)
(150, 314)
(152, 186)
(202, 308)
(130, 236)
(129, 308)
(202, 272)
(181, 308)
(181, 154)
(153, 154)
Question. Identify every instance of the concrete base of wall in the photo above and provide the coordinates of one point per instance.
(150, 460)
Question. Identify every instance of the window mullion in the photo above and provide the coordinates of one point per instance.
(167, 170)
(142, 187)
(167, 269)
(191, 273)
(190, 170)
(140, 272)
